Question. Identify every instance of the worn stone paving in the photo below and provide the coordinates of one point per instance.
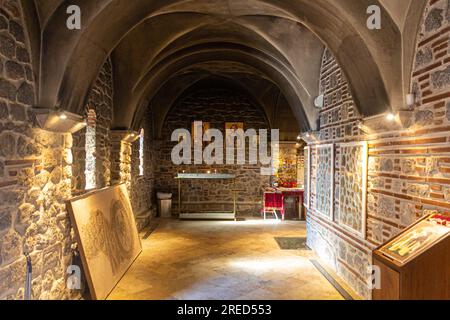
(223, 260)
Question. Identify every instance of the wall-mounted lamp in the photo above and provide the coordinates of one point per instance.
(390, 117)
(310, 137)
(319, 101)
(386, 122)
(124, 135)
(410, 100)
(57, 121)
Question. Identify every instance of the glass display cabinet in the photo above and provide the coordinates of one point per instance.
(416, 263)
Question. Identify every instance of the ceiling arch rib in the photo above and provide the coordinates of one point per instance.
(200, 82)
(256, 84)
(68, 54)
(284, 78)
(228, 32)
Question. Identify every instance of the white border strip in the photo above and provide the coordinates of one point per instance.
(330, 215)
(364, 171)
(307, 155)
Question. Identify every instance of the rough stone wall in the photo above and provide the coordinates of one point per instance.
(121, 151)
(217, 107)
(142, 187)
(35, 177)
(100, 100)
(409, 170)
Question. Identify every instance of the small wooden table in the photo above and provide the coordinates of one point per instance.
(207, 215)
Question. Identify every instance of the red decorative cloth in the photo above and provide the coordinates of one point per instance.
(274, 201)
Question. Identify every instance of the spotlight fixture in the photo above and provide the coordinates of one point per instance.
(124, 135)
(390, 116)
(410, 100)
(319, 101)
(58, 121)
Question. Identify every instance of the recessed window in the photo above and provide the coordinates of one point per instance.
(141, 152)
(89, 172)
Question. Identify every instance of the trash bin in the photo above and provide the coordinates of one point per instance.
(164, 204)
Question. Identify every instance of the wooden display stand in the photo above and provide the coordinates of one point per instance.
(424, 274)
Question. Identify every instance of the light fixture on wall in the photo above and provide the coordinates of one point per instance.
(63, 116)
(410, 100)
(58, 121)
(390, 116)
(387, 122)
(310, 136)
(124, 135)
(319, 101)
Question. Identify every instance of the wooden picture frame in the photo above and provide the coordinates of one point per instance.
(205, 127)
(234, 126)
(107, 237)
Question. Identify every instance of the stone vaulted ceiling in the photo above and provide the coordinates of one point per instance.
(166, 46)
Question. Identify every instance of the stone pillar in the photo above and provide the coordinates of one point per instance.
(121, 149)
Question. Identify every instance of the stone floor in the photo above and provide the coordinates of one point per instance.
(223, 260)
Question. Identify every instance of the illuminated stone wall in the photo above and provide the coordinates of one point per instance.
(35, 177)
(143, 196)
(101, 103)
(409, 170)
(216, 106)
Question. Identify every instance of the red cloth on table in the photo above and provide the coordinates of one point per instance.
(274, 201)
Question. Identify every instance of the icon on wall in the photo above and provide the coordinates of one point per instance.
(196, 127)
(233, 126)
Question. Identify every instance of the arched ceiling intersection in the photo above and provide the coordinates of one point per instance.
(70, 60)
(157, 76)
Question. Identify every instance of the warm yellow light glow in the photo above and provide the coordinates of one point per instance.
(269, 264)
(390, 117)
(63, 116)
(252, 222)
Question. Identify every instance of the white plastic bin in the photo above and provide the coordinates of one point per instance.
(164, 204)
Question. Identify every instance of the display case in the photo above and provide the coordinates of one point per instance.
(416, 263)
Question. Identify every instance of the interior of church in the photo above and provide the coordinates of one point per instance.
(225, 150)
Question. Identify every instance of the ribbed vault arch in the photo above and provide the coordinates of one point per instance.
(70, 61)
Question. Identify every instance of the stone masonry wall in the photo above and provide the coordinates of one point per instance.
(142, 187)
(408, 171)
(35, 177)
(100, 100)
(217, 107)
